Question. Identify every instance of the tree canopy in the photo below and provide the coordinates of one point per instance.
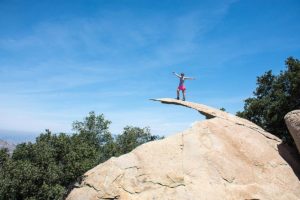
(48, 168)
(274, 97)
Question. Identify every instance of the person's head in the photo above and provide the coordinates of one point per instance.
(182, 74)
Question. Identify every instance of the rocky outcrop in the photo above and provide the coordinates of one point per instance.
(210, 112)
(292, 120)
(225, 157)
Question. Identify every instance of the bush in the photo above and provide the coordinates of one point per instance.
(48, 168)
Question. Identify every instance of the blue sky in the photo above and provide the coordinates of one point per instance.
(61, 59)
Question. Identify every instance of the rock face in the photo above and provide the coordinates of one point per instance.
(225, 157)
(292, 120)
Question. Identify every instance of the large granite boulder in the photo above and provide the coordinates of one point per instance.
(292, 120)
(225, 157)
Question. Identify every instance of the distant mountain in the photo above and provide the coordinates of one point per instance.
(9, 146)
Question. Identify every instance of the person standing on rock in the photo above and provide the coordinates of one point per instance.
(181, 84)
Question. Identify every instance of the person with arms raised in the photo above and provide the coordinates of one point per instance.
(181, 86)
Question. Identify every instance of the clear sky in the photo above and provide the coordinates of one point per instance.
(61, 59)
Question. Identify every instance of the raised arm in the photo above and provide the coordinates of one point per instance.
(176, 74)
(189, 78)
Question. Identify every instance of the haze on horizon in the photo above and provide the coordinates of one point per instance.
(61, 59)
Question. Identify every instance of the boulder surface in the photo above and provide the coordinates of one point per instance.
(225, 157)
(292, 120)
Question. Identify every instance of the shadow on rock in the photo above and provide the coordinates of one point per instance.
(291, 156)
